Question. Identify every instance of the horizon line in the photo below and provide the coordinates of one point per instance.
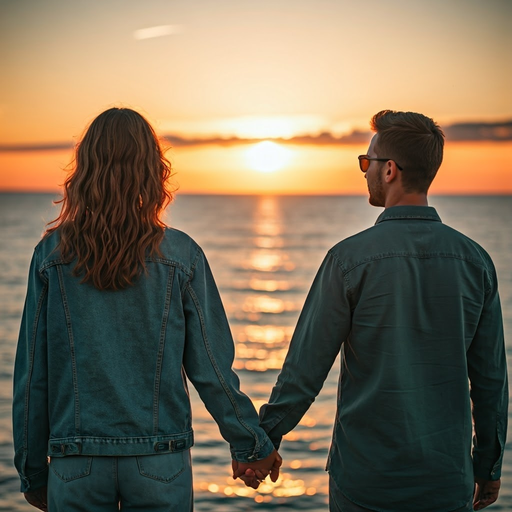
(276, 193)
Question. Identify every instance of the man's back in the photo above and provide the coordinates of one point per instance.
(417, 290)
(415, 305)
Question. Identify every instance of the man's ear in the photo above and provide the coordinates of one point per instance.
(391, 171)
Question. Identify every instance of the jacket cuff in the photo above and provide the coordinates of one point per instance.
(35, 481)
(260, 451)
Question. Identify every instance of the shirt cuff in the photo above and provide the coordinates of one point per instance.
(486, 468)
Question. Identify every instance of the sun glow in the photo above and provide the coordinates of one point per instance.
(267, 156)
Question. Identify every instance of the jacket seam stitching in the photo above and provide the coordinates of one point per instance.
(170, 263)
(161, 347)
(196, 259)
(191, 275)
(73, 439)
(71, 348)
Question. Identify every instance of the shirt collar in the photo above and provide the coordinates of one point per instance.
(409, 212)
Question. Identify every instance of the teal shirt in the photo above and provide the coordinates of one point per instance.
(413, 307)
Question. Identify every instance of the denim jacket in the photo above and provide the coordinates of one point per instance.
(104, 372)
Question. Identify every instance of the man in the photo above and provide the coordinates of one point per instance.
(413, 306)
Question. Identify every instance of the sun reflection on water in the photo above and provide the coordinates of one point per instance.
(286, 486)
(266, 299)
(267, 304)
(258, 360)
(265, 261)
(270, 334)
(268, 242)
(269, 285)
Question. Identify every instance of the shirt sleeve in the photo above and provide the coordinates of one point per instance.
(487, 370)
(30, 392)
(209, 355)
(324, 324)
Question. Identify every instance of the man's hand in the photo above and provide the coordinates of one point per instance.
(38, 498)
(259, 470)
(486, 492)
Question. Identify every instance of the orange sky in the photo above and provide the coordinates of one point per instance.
(468, 168)
(255, 69)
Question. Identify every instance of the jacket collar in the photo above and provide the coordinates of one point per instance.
(409, 212)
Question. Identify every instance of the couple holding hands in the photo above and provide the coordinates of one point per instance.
(122, 311)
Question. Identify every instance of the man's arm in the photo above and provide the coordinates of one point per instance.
(324, 324)
(487, 369)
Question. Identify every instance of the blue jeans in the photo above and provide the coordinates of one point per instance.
(160, 483)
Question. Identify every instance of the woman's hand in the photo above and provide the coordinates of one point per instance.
(252, 473)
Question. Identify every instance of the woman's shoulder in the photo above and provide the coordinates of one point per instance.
(48, 245)
(174, 236)
(178, 246)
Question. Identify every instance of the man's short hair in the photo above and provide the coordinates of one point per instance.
(415, 142)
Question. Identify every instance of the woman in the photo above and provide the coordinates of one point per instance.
(119, 311)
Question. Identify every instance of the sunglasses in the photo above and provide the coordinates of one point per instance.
(364, 162)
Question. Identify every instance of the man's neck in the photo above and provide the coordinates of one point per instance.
(410, 199)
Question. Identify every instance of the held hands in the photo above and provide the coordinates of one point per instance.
(38, 498)
(252, 473)
(486, 493)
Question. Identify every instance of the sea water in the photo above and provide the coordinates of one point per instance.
(264, 252)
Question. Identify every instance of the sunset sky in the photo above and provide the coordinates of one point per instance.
(257, 70)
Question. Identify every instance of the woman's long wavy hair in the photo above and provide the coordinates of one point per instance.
(113, 198)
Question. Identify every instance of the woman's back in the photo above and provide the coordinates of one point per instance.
(120, 310)
(118, 349)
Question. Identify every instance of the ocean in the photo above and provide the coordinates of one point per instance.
(264, 252)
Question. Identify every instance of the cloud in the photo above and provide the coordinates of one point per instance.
(158, 31)
(468, 132)
(479, 131)
(22, 148)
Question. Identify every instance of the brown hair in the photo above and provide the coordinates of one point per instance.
(113, 198)
(412, 140)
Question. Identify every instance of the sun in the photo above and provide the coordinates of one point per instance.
(267, 156)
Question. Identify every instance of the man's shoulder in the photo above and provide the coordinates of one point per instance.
(356, 241)
(355, 247)
(390, 238)
(459, 243)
